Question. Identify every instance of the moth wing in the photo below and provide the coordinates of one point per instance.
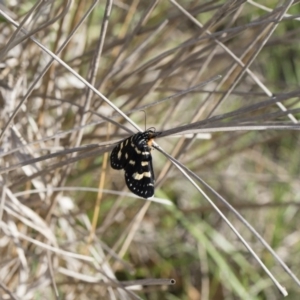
(121, 154)
(139, 175)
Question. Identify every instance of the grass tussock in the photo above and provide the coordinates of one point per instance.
(219, 79)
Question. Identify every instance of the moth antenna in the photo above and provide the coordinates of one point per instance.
(145, 118)
(154, 129)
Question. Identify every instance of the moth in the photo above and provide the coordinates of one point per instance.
(134, 156)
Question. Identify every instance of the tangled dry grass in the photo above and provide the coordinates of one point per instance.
(219, 79)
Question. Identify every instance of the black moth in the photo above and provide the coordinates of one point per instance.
(134, 156)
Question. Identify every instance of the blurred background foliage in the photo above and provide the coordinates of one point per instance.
(136, 53)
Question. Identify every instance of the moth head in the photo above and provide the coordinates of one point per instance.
(151, 134)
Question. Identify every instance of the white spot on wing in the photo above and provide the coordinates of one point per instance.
(138, 151)
(120, 151)
(138, 176)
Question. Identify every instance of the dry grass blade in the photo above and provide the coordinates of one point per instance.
(239, 216)
(179, 166)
